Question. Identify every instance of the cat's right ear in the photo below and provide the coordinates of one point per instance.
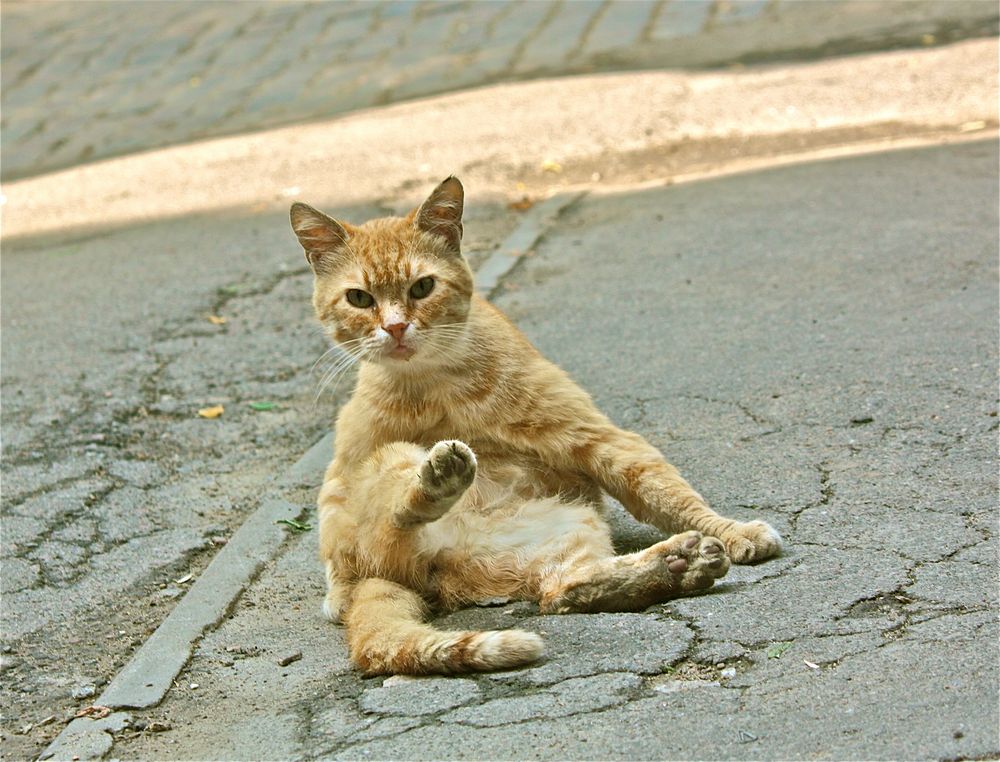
(321, 236)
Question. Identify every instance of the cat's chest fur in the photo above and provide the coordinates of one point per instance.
(501, 459)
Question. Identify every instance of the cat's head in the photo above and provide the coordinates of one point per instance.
(395, 290)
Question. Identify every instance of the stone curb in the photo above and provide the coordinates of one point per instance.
(520, 242)
(145, 680)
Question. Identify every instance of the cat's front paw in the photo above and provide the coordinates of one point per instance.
(448, 471)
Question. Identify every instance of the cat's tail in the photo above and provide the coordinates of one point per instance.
(386, 634)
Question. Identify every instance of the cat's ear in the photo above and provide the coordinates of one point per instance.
(321, 236)
(441, 213)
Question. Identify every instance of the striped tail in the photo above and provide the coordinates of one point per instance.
(386, 634)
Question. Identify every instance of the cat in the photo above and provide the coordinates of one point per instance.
(467, 466)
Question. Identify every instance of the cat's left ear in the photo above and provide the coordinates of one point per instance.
(441, 213)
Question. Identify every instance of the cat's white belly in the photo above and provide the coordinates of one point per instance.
(536, 527)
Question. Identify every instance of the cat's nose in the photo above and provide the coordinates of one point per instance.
(397, 330)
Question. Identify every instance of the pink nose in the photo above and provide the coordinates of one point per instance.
(397, 330)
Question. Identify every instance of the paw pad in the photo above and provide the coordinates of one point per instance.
(449, 469)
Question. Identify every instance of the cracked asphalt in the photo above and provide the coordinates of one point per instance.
(835, 379)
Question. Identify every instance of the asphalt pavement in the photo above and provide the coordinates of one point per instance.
(836, 380)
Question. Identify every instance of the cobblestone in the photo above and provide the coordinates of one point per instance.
(84, 81)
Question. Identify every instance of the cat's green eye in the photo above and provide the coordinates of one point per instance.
(422, 287)
(360, 299)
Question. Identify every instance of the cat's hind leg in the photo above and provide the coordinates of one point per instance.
(681, 565)
(387, 634)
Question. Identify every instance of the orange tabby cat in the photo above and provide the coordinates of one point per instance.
(468, 466)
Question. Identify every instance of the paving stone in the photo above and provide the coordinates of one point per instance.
(559, 38)
(417, 697)
(471, 28)
(682, 18)
(346, 30)
(729, 12)
(619, 28)
(55, 71)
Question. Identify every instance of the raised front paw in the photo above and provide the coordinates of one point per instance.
(448, 471)
(751, 541)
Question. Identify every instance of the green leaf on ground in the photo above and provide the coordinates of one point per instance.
(298, 526)
(263, 405)
(777, 649)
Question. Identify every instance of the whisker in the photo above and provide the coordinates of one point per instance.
(323, 356)
(338, 370)
(340, 347)
(366, 354)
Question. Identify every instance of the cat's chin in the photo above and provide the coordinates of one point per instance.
(401, 353)
(398, 357)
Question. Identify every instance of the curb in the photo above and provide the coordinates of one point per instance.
(524, 238)
(145, 680)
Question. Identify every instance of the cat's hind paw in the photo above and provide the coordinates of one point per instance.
(693, 561)
(751, 541)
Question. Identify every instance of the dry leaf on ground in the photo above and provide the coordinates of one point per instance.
(95, 712)
(211, 412)
(523, 205)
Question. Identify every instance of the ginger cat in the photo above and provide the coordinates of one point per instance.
(468, 466)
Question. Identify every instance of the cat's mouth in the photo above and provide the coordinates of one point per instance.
(401, 352)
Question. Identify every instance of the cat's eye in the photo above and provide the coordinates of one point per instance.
(360, 299)
(422, 288)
